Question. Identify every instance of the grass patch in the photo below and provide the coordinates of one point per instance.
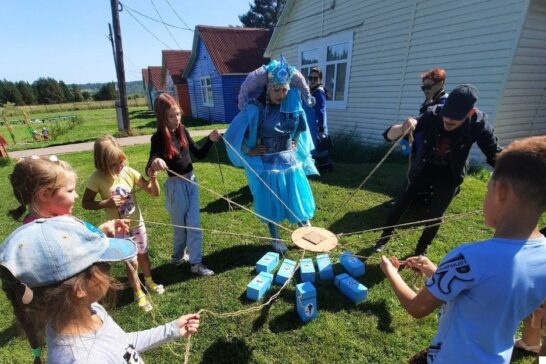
(376, 331)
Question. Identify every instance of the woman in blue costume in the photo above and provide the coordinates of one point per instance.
(271, 140)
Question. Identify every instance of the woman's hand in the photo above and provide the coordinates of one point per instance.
(259, 150)
(188, 324)
(421, 264)
(389, 266)
(214, 136)
(158, 164)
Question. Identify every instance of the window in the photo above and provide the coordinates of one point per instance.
(206, 91)
(333, 56)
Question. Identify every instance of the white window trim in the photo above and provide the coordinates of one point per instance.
(204, 92)
(322, 44)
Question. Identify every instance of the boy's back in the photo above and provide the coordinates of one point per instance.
(488, 287)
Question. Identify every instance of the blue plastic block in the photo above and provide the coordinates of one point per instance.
(306, 301)
(285, 271)
(259, 286)
(307, 270)
(352, 265)
(351, 288)
(268, 262)
(325, 268)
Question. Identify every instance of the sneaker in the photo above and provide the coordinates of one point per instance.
(520, 344)
(279, 247)
(155, 288)
(201, 270)
(143, 303)
(184, 259)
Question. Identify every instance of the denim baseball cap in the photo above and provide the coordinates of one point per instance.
(460, 101)
(48, 251)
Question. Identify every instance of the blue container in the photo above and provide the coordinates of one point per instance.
(257, 287)
(352, 265)
(325, 268)
(268, 262)
(306, 301)
(307, 270)
(285, 271)
(351, 288)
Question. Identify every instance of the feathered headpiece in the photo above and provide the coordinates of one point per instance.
(279, 73)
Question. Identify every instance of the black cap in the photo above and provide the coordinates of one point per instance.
(460, 101)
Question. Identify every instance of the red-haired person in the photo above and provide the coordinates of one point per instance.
(170, 149)
(433, 87)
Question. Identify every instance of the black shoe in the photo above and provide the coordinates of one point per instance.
(380, 246)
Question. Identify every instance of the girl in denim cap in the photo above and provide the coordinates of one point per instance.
(115, 182)
(59, 266)
(44, 187)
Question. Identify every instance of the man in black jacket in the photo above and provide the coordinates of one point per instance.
(449, 132)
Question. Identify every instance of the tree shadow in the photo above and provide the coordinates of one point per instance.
(141, 114)
(243, 196)
(233, 350)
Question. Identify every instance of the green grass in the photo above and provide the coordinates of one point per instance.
(375, 331)
(94, 123)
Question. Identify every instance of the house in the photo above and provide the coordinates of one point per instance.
(372, 54)
(145, 81)
(155, 84)
(174, 62)
(220, 60)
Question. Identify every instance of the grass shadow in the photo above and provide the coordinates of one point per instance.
(234, 350)
(9, 333)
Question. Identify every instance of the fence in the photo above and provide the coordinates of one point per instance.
(70, 106)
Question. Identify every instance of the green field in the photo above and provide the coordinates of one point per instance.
(375, 331)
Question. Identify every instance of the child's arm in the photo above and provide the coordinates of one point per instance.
(417, 304)
(201, 152)
(151, 186)
(89, 203)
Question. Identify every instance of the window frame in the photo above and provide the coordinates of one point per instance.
(207, 96)
(322, 45)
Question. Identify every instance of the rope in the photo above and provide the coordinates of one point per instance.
(261, 180)
(222, 176)
(229, 200)
(372, 172)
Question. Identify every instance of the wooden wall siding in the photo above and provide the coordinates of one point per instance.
(522, 109)
(203, 66)
(396, 40)
(231, 85)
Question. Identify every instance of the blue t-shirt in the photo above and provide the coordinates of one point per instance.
(488, 288)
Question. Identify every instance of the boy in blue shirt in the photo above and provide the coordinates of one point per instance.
(487, 288)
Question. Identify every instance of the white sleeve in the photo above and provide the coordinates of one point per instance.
(149, 339)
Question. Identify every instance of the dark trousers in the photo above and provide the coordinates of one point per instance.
(440, 180)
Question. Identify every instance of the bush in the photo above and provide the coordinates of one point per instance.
(348, 148)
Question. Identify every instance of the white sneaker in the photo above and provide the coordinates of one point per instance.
(184, 259)
(201, 270)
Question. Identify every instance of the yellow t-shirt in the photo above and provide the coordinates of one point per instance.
(123, 184)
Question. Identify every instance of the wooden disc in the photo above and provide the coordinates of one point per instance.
(314, 239)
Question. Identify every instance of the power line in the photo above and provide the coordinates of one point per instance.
(153, 19)
(167, 28)
(148, 30)
(175, 13)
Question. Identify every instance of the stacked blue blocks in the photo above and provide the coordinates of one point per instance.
(268, 262)
(352, 265)
(306, 301)
(324, 265)
(351, 288)
(257, 287)
(285, 271)
(307, 270)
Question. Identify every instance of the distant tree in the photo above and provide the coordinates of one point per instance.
(106, 92)
(86, 95)
(27, 92)
(66, 92)
(76, 94)
(263, 14)
(48, 91)
(10, 93)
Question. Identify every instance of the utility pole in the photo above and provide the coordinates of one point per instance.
(120, 68)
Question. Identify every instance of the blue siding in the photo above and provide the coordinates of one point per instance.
(202, 67)
(231, 86)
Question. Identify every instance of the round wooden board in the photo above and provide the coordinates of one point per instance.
(301, 236)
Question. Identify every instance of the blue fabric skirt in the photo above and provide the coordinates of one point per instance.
(285, 176)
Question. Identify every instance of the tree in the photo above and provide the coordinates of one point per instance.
(27, 92)
(263, 14)
(66, 92)
(86, 95)
(76, 94)
(106, 92)
(10, 93)
(48, 91)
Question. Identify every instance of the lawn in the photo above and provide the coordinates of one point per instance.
(94, 123)
(375, 331)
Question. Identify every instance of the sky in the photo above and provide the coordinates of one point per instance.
(67, 39)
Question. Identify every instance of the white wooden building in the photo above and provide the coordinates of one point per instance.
(372, 53)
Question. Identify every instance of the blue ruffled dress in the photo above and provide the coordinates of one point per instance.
(282, 168)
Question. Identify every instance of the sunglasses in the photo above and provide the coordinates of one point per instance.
(313, 78)
(428, 87)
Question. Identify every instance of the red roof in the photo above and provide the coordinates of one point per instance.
(235, 50)
(175, 62)
(145, 76)
(154, 74)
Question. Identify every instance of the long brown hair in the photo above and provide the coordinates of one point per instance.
(163, 103)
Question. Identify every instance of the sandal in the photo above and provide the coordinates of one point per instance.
(155, 288)
(520, 344)
(143, 303)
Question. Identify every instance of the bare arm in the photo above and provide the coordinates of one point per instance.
(89, 203)
(398, 130)
(151, 186)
